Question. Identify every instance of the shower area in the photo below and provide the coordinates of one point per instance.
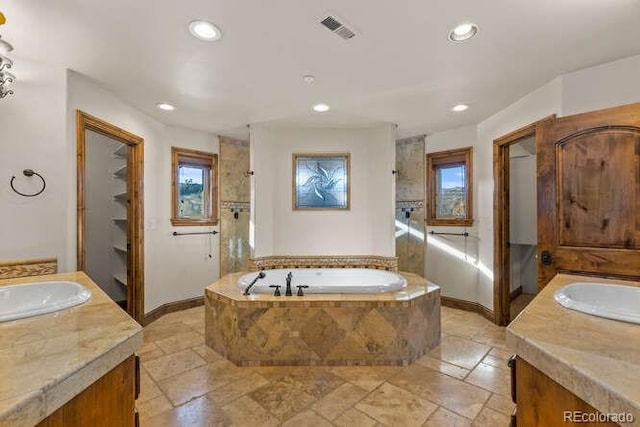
(235, 188)
(410, 213)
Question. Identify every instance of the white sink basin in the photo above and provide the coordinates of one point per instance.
(616, 302)
(34, 299)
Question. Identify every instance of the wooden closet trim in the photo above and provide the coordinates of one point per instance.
(135, 225)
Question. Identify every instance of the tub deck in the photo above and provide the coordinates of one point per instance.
(394, 328)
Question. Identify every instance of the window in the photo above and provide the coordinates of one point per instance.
(449, 187)
(194, 180)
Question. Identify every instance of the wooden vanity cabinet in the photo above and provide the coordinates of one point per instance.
(110, 401)
(543, 402)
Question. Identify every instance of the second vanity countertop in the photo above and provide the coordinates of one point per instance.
(596, 359)
(47, 360)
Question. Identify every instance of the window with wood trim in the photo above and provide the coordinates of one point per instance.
(450, 187)
(194, 178)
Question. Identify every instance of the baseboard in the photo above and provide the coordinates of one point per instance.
(515, 293)
(468, 306)
(170, 307)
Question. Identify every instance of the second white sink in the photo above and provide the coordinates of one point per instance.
(616, 302)
(33, 299)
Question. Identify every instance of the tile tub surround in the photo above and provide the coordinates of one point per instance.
(394, 328)
(325, 261)
(47, 360)
(596, 359)
(28, 267)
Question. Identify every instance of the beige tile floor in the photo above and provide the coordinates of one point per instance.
(463, 382)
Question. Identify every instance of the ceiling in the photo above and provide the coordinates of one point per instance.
(400, 67)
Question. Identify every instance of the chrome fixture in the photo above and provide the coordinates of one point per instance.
(6, 78)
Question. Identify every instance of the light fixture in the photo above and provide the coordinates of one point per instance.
(204, 30)
(308, 78)
(463, 32)
(321, 108)
(460, 107)
(6, 78)
(165, 106)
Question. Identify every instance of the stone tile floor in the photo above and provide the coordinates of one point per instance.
(463, 382)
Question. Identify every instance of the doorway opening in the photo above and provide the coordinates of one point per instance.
(109, 211)
(515, 221)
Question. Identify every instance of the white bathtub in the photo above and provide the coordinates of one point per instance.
(327, 280)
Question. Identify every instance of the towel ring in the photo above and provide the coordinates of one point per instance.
(29, 172)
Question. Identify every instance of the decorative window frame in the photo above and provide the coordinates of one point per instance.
(458, 156)
(183, 155)
(345, 175)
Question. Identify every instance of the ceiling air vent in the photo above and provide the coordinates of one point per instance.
(337, 27)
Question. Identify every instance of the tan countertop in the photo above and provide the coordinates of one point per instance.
(596, 359)
(47, 360)
(228, 287)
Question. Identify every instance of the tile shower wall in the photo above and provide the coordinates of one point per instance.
(235, 187)
(410, 191)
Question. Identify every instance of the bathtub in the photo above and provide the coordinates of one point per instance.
(366, 323)
(327, 280)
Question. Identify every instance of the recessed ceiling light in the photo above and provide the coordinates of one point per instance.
(165, 106)
(321, 108)
(204, 30)
(463, 32)
(459, 107)
(308, 78)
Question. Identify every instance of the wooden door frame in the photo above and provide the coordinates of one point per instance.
(501, 215)
(135, 209)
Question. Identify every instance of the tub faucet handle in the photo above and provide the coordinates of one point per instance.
(276, 293)
(300, 287)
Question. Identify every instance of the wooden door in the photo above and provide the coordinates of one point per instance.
(589, 194)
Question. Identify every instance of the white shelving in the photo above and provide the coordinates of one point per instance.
(119, 248)
(120, 279)
(121, 152)
(119, 263)
(121, 172)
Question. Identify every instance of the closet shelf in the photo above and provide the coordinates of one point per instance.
(120, 249)
(121, 280)
(121, 197)
(122, 151)
(121, 173)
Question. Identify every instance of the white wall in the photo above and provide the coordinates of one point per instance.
(32, 136)
(175, 267)
(603, 86)
(38, 132)
(366, 229)
(180, 265)
(449, 260)
(523, 207)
